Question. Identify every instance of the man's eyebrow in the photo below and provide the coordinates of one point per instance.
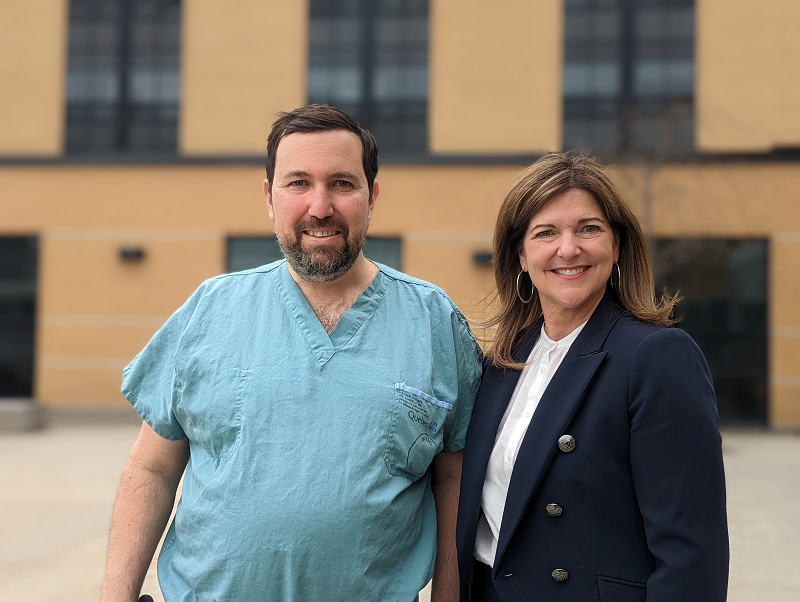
(299, 173)
(295, 174)
(348, 175)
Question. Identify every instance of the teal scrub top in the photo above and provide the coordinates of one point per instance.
(309, 452)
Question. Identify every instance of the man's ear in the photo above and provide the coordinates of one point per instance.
(268, 194)
(375, 190)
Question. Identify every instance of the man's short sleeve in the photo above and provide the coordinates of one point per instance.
(148, 382)
(468, 358)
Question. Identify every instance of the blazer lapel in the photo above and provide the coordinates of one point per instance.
(556, 410)
(495, 393)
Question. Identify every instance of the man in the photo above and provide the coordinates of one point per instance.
(318, 406)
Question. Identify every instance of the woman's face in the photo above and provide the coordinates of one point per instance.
(569, 251)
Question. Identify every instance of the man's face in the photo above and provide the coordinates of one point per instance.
(320, 203)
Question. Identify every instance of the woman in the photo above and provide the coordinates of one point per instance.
(593, 465)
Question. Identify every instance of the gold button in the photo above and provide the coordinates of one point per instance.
(566, 443)
(553, 510)
(560, 575)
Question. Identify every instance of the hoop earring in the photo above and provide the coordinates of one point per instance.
(518, 293)
(619, 280)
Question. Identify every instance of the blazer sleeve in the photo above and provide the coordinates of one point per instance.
(676, 459)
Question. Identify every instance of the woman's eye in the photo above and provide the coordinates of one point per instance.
(544, 234)
(592, 228)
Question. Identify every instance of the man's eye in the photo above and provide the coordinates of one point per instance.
(341, 183)
(297, 183)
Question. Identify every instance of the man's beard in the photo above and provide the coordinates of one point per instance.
(324, 263)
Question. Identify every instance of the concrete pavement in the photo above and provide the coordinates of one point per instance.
(58, 487)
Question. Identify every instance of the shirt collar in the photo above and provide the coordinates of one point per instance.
(547, 342)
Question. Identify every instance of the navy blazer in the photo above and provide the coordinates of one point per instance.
(642, 492)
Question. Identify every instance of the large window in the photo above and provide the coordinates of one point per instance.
(123, 85)
(245, 253)
(18, 259)
(370, 59)
(723, 283)
(629, 77)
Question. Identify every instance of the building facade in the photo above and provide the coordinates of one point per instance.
(133, 134)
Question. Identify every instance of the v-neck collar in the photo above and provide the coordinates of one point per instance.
(324, 345)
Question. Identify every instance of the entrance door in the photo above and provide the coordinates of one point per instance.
(18, 259)
(723, 283)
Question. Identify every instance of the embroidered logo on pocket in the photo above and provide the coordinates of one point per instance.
(415, 434)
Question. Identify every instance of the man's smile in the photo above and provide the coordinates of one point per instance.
(321, 233)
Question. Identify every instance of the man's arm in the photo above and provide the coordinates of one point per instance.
(446, 484)
(144, 502)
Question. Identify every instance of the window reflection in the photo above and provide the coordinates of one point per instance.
(370, 58)
(723, 283)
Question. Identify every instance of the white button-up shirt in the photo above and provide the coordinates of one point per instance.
(543, 361)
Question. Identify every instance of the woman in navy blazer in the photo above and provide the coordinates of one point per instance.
(613, 490)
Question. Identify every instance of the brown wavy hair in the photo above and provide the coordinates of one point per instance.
(549, 176)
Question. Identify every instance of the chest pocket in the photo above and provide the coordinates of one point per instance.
(415, 432)
(212, 415)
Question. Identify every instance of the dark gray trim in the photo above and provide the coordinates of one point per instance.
(777, 156)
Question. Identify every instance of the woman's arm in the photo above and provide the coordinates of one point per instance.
(676, 459)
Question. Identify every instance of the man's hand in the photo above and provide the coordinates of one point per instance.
(144, 502)
(446, 484)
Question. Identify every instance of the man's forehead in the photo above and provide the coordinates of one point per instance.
(321, 154)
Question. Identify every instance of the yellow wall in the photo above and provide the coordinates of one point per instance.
(495, 80)
(96, 312)
(243, 62)
(748, 75)
(32, 65)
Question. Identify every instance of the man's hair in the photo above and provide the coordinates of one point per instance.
(551, 175)
(321, 118)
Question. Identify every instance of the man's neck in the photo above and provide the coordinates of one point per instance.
(330, 300)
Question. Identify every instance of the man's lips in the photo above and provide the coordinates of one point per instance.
(321, 233)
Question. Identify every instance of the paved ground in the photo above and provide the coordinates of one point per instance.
(58, 488)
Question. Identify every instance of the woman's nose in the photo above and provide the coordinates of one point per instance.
(568, 246)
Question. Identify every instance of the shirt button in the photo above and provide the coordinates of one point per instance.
(542, 370)
(508, 456)
(528, 414)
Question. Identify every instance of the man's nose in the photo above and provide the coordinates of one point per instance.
(321, 204)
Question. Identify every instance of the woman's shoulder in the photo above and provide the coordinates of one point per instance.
(634, 332)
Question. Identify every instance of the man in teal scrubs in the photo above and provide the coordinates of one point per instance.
(318, 406)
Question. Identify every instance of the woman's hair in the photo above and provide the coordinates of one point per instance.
(551, 175)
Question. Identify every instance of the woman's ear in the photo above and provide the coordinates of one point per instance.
(523, 262)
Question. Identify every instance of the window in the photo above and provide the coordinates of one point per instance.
(370, 59)
(723, 283)
(245, 253)
(18, 259)
(629, 77)
(123, 81)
